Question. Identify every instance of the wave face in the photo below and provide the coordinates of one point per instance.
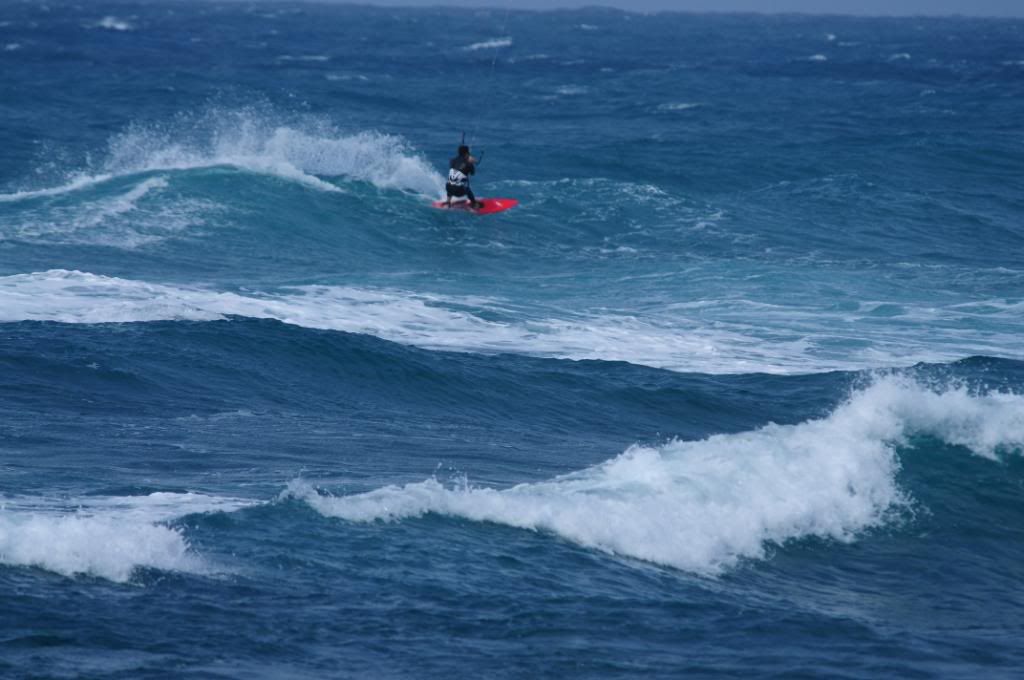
(736, 387)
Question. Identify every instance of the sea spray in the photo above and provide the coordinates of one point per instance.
(302, 149)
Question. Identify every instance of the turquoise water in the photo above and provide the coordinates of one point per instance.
(735, 390)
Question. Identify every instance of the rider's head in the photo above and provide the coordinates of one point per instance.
(463, 150)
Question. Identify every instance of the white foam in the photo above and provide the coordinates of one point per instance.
(489, 44)
(703, 506)
(159, 506)
(817, 57)
(429, 321)
(75, 182)
(11, 47)
(112, 23)
(251, 146)
(106, 537)
(95, 546)
(702, 335)
(902, 56)
(988, 425)
(257, 142)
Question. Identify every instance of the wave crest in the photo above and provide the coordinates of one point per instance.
(300, 150)
(95, 546)
(106, 537)
(702, 506)
(676, 340)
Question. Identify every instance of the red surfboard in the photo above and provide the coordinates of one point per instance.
(490, 205)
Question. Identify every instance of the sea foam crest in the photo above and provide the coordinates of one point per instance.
(424, 320)
(106, 537)
(260, 142)
(95, 546)
(675, 339)
(256, 142)
(702, 506)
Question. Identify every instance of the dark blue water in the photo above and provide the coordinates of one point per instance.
(737, 389)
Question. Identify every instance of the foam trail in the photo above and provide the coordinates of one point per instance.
(76, 182)
(703, 506)
(106, 537)
(127, 220)
(428, 321)
(672, 340)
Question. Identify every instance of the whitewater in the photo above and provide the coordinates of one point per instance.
(736, 389)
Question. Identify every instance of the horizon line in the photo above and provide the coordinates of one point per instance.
(643, 12)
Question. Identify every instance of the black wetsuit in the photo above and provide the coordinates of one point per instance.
(460, 168)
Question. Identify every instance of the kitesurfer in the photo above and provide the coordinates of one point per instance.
(460, 168)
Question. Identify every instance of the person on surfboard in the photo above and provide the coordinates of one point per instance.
(460, 168)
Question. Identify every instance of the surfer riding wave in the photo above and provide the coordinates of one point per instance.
(460, 168)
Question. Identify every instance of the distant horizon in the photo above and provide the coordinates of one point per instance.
(999, 9)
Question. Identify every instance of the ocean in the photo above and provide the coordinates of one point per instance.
(736, 390)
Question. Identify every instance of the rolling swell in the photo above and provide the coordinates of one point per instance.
(728, 496)
(236, 361)
(709, 335)
(722, 478)
(164, 191)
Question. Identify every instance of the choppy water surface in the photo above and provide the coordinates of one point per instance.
(736, 390)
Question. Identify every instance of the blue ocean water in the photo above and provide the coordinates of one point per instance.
(736, 390)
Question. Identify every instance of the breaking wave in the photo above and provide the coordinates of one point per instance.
(703, 506)
(304, 151)
(105, 537)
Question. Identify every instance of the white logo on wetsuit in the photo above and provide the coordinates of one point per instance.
(457, 178)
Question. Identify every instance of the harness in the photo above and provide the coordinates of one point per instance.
(461, 169)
